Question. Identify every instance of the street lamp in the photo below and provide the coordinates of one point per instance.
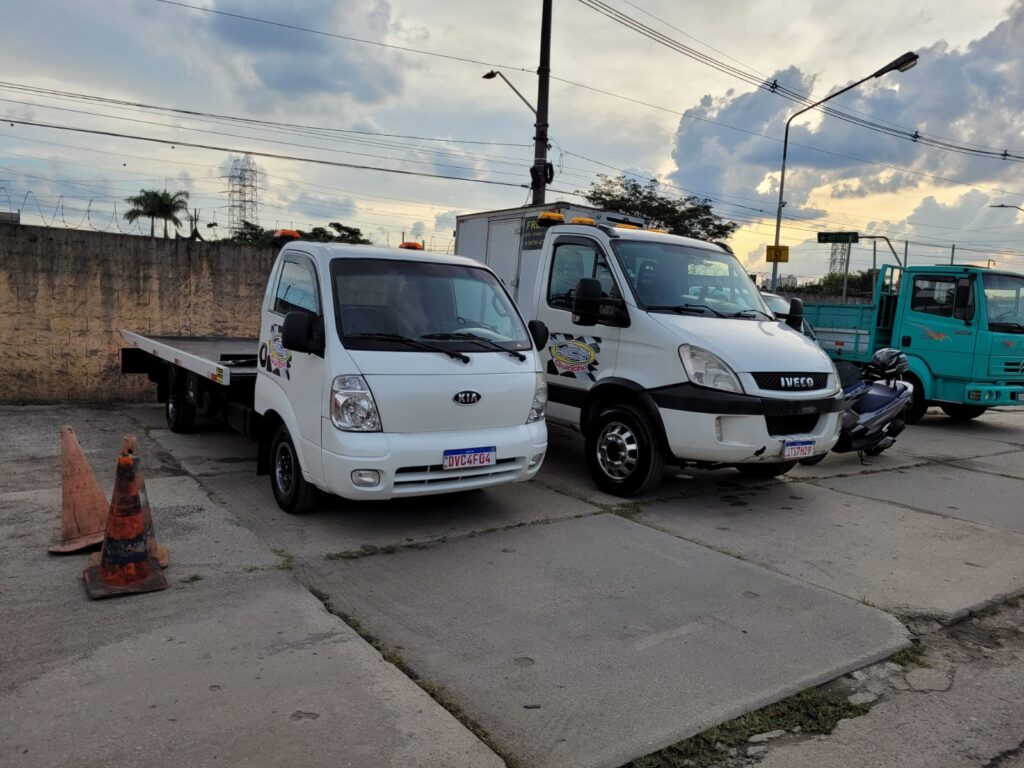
(902, 64)
(495, 73)
(1007, 206)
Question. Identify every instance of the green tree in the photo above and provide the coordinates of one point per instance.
(155, 204)
(335, 232)
(689, 216)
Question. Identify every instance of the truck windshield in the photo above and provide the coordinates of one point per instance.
(458, 308)
(677, 278)
(1004, 299)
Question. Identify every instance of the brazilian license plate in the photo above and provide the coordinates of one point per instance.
(470, 458)
(798, 449)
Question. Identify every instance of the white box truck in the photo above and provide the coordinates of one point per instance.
(661, 349)
(377, 373)
(510, 241)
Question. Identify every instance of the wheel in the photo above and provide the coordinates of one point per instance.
(918, 406)
(181, 414)
(292, 492)
(765, 471)
(961, 412)
(813, 460)
(623, 454)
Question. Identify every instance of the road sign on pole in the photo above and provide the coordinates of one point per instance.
(777, 253)
(837, 237)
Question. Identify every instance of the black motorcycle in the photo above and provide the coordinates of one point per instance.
(875, 398)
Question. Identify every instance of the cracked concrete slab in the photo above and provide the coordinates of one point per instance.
(909, 563)
(591, 641)
(945, 490)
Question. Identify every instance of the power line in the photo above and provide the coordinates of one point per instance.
(793, 95)
(308, 30)
(275, 156)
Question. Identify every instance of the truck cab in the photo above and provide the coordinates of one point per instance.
(961, 327)
(661, 350)
(387, 372)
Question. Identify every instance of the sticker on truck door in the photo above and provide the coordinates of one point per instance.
(273, 356)
(574, 356)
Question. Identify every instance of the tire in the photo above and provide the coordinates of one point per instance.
(813, 460)
(291, 491)
(961, 412)
(918, 406)
(623, 454)
(181, 414)
(765, 471)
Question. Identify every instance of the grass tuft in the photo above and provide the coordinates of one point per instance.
(815, 711)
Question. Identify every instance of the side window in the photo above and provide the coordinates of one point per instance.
(933, 295)
(964, 309)
(571, 262)
(296, 290)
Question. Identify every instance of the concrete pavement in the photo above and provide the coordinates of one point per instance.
(235, 664)
(711, 595)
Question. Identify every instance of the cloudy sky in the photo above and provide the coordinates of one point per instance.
(622, 102)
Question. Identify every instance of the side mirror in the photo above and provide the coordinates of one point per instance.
(299, 333)
(539, 333)
(795, 318)
(587, 301)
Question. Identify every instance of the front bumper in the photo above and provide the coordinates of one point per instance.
(990, 395)
(703, 425)
(410, 463)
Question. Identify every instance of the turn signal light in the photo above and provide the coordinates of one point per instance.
(411, 245)
(582, 220)
(974, 394)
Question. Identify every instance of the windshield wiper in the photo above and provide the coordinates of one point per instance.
(685, 308)
(1010, 327)
(399, 339)
(463, 336)
(743, 312)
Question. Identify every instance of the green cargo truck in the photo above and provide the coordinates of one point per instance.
(962, 329)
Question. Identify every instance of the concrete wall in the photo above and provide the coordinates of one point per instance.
(65, 294)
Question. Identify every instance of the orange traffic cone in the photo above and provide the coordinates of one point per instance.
(131, 446)
(83, 505)
(126, 566)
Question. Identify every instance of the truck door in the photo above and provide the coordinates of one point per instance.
(299, 374)
(503, 252)
(938, 326)
(575, 356)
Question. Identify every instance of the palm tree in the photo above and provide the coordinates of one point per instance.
(157, 204)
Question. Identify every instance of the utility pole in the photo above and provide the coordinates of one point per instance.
(952, 255)
(874, 258)
(906, 253)
(539, 171)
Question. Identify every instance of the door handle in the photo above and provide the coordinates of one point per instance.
(905, 341)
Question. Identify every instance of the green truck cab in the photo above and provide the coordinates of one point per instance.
(962, 329)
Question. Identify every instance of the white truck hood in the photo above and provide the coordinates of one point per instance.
(416, 391)
(749, 346)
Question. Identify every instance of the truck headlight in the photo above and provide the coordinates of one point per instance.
(708, 369)
(540, 400)
(352, 406)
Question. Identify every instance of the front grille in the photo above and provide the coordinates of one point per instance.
(1013, 366)
(791, 425)
(409, 479)
(790, 382)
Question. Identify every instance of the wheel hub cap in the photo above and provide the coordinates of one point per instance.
(617, 451)
(284, 469)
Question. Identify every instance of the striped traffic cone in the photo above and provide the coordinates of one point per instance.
(126, 567)
(131, 446)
